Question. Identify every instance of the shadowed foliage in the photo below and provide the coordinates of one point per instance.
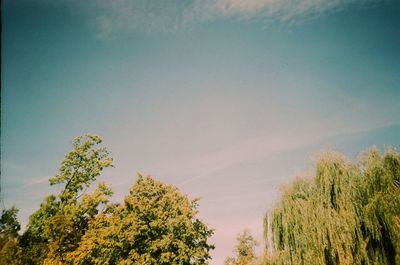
(9, 227)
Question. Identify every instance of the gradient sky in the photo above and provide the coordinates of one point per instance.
(226, 99)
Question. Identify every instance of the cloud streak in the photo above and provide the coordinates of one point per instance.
(112, 17)
(357, 118)
(283, 10)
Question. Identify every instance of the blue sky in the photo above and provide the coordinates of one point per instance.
(227, 99)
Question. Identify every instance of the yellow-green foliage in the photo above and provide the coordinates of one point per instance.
(244, 250)
(156, 225)
(56, 228)
(347, 214)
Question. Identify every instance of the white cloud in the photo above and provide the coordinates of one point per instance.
(282, 9)
(116, 16)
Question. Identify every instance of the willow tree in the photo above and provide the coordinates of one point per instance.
(346, 214)
(378, 201)
(156, 224)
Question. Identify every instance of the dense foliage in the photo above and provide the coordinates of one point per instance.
(9, 228)
(156, 224)
(347, 214)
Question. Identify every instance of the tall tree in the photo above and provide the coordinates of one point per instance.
(57, 227)
(156, 224)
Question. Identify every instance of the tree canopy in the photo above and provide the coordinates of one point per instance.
(56, 228)
(156, 224)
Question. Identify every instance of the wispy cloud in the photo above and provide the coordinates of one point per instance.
(356, 118)
(283, 10)
(111, 17)
(140, 15)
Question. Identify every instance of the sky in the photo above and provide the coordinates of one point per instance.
(226, 99)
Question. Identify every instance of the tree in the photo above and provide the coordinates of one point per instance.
(378, 202)
(9, 227)
(57, 227)
(81, 166)
(34, 241)
(347, 214)
(244, 250)
(156, 224)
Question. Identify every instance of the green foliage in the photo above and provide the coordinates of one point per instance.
(56, 228)
(156, 225)
(347, 214)
(382, 208)
(244, 250)
(81, 166)
(66, 228)
(9, 227)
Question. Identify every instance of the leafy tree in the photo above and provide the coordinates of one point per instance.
(244, 250)
(71, 222)
(9, 227)
(156, 224)
(81, 166)
(57, 227)
(347, 214)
